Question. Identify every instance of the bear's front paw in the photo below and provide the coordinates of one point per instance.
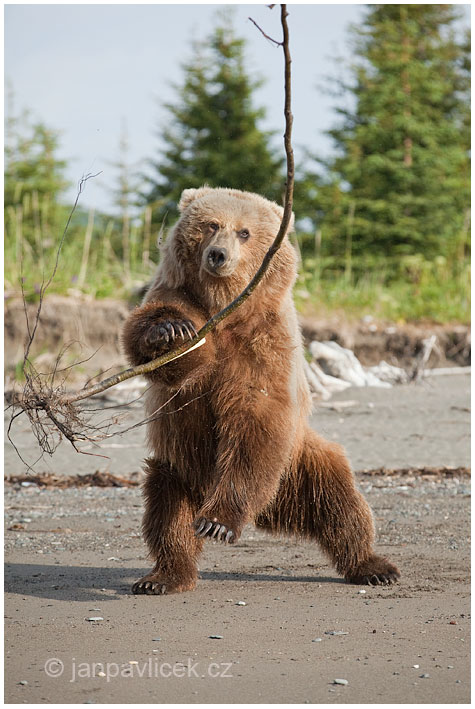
(213, 529)
(165, 331)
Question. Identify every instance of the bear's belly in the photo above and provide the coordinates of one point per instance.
(182, 433)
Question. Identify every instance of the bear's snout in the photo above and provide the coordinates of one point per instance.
(217, 257)
(217, 260)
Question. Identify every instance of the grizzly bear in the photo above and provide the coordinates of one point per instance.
(227, 424)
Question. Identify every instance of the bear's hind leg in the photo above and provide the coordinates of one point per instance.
(168, 533)
(319, 500)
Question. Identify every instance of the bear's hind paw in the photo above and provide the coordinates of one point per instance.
(150, 588)
(152, 585)
(377, 571)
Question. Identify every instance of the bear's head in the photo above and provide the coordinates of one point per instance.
(220, 241)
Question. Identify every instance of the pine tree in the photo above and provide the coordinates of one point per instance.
(124, 196)
(32, 165)
(34, 179)
(400, 181)
(212, 134)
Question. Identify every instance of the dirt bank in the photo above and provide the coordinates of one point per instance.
(372, 341)
(91, 329)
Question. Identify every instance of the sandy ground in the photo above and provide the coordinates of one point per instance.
(72, 554)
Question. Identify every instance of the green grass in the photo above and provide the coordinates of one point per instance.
(437, 291)
(91, 260)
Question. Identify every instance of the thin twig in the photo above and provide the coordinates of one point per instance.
(278, 44)
(45, 286)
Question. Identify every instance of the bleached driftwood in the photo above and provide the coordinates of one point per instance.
(419, 367)
(389, 373)
(321, 384)
(341, 363)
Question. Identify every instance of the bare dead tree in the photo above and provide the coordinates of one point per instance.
(52, 411)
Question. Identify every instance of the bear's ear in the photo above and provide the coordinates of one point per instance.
(277, 209)
(189, 196)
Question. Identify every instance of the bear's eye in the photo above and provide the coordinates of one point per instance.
(244, 234)
(214, 226)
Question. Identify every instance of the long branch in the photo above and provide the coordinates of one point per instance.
(237, 302)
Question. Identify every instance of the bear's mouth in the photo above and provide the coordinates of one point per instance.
(219, 273)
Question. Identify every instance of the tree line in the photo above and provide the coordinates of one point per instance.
(396, 190)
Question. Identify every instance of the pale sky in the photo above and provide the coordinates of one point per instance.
(83, 69)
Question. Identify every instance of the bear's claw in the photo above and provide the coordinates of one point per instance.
(213, 530)
(376, 571)
(380, 579)
(150, 588)
(168, 330)
(158, 584)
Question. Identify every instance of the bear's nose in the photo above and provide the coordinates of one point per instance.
(217, 256)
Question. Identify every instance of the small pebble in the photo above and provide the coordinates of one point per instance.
(336, 632)
(450, 667)
(133, 662)
(416, 667)
(362, 591)
(453, 622)
(317, 640)
(101, 674)
(23, 681)
(216, 637)
(340, 681)
(424, 676)
(95, 617)
(240, 603)
(156, 640)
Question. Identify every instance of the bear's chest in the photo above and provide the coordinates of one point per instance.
(249, 353)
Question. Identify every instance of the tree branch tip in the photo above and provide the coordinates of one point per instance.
(278, 44)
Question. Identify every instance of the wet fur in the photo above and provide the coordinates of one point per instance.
(230, 441)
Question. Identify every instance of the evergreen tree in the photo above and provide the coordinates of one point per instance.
(400, 181)
(33, 166)
(34, 179)
(212, 134)
(124, 196)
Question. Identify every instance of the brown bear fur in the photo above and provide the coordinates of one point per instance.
(229, 435)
